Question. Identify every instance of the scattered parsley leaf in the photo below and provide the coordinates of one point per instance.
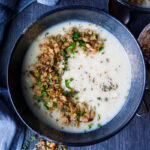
(67, 84)
(82, 113)
(99, 98)
(63, 28)
(38, 82)
(82, 43)
(42, 88)
(104, 39)
(71, 79)
(64, 52)
(44, 93)
(39, 99)
(99, 125)
(46, 106)
(54, 105)
(70, 94)
(78, 117)
(56, 79)
(76, 98)
(90, 125)
(46, 86)
(63, 39)
(72, 46)
(76, 35)
(101, 48)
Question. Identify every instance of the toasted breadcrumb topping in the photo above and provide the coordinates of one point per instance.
(46, 74)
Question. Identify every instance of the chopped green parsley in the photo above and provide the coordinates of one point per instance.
(99, 125)
(90, 125)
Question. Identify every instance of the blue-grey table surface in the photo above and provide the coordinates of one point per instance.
(136, 135)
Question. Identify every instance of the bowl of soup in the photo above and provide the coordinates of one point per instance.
(76, 76)
(139, 5)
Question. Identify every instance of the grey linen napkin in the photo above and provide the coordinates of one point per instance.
(12, 131)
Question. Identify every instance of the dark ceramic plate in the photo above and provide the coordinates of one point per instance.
(120, 32)
(134, 7)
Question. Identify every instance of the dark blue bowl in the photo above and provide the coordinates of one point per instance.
(120, 32)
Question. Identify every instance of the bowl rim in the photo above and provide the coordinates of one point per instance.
(135, 7)
(49, 13)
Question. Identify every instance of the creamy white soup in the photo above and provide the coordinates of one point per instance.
(95, 84)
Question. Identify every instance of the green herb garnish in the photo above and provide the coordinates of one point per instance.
(72, 46)
(57, 120)
(99, 117)
(107, 59)
(67, 84)
(46, 106)
(46, 86)
(101, 48)
(82, 43)
(76, 98)
(63, 28)
(42, 88)
(71, 79)
(78, 117)
(70, 94)
(104, 39)
(54, 105)
(44, 93)
(64, 52)
(63, 39)
(64, 69)
(82, 112)
(38, 82)
(106, 98)
(59, 73)
(36, 72)
(76, 35)
(39, 99)
(99, 125)
(99, 98)
(56, 79)
(90, 125)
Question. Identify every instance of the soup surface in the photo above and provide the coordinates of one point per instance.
(76, 76)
